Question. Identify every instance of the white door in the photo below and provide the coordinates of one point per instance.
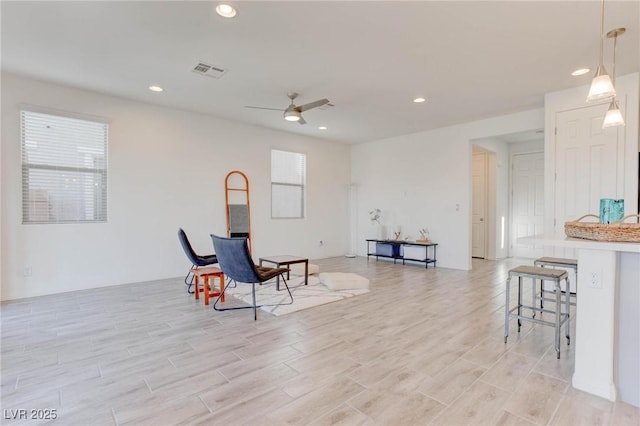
(589, 166)
(478, 211)
(588, 163)
(527, 202)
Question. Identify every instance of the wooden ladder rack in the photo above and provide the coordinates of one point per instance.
(237, 207)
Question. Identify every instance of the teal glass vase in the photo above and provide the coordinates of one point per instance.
(611, 210)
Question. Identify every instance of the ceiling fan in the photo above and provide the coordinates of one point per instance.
(294, 112)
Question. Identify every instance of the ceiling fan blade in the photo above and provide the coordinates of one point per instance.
(301, 121)
(257, 107)
(310, 105)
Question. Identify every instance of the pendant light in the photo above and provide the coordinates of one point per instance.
(601, 85)
(614, 115)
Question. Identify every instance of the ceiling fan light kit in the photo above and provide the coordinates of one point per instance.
(292, 115)
(294, 112)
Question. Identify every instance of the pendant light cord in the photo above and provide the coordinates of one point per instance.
(615, 47)
(602, 34)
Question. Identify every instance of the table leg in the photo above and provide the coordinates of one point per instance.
(306, 272)
(197, 287)
(207, 290)
(277, 279)
(221, 276)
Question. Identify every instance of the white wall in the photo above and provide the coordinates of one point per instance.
(418, 181)
(526, 147)
(166, 170)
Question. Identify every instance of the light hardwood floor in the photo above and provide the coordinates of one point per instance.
(423, 347)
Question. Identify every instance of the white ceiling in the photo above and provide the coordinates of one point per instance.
(471, 60)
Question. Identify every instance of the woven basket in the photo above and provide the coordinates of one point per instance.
(618, 231)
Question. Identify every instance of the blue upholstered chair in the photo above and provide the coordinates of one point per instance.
(235, 261)
(196, 260)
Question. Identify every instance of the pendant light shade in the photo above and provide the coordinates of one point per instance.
(614, 116)
(601, 86)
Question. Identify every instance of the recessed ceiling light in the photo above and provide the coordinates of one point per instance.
(226, 10)
(156, 88)
(580, 71)
(322, 128)
(419, 100)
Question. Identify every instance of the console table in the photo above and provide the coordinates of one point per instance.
(403, 250)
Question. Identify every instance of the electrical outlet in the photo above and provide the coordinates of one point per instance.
(595, 279)
(27, 271)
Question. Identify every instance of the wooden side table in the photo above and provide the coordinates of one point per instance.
(287, 260)
(208, 290)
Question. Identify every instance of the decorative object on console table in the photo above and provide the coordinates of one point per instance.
(387, 249)
(424, 236)
(375, 216)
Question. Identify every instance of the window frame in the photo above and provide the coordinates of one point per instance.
(302, 186)
(100, 200)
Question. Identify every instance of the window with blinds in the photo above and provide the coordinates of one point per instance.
(64, 169)
(288, 175)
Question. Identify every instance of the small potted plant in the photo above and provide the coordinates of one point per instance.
(374, 216)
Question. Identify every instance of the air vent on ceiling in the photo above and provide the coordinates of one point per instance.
(209, 70)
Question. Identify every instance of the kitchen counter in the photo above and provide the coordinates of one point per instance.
(607, 352)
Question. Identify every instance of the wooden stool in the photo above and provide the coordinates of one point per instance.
(542, 274)
(207, 288)
(555, 262)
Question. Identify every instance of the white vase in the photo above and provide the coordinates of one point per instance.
(382, 232)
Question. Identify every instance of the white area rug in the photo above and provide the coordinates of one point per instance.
(304, 296)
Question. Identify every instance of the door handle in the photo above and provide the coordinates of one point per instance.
(481, 219)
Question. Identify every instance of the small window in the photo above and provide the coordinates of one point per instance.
(64, 169)
(288, 175)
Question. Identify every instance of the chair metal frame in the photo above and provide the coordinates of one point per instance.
(560, 318)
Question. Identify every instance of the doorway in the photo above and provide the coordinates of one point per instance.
(479, 204)
(527, 202)
(497, 206)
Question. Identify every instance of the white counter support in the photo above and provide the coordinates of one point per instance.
(607, 316)
(595, 322)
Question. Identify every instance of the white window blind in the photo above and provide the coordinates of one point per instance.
(64, 169)
(288, 175)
